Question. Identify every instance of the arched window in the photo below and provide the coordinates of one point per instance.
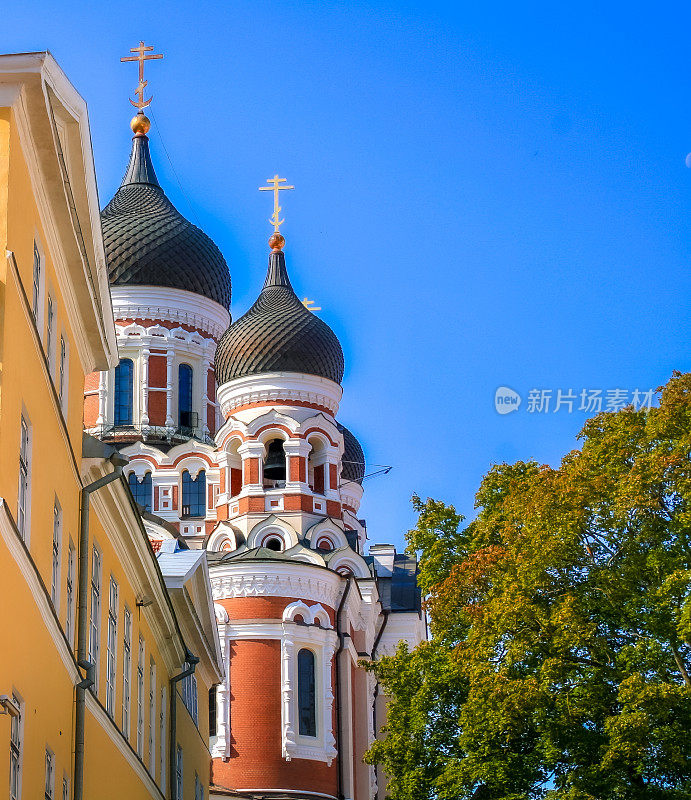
(124, 381)
(307, 694)
(275, 462)
(194, 494)
(141, 489)
(185, 396)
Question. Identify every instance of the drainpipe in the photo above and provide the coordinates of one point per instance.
(192, 660)
(341, 645)
(385, 614)
(118, 463)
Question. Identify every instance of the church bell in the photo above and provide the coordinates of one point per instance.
(275, 462)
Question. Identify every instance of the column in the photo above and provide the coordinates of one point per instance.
(170, 423)
(296, 451)
(205, 397)
(102, 395)
(252, 454)
(144, 417)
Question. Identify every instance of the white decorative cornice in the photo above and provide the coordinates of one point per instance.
(280, 579)
(274, 387)
(170, 305)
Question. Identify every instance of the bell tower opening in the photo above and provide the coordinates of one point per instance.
(275, 465)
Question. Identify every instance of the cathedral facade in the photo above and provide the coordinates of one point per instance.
(234, 447)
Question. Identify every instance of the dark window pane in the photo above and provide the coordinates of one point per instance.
(194, 494)
(185, 395)
(307, 699)
(124, 375)
(141, 489)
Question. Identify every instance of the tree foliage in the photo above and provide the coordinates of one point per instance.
(559, 661)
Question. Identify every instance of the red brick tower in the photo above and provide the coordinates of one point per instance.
(297, 601)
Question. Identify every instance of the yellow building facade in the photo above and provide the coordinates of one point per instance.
(107, 653)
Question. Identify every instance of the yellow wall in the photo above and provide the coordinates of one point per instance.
(36, 661)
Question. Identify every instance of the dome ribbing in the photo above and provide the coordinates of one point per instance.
(353, 462)
(278, 334)
(149, 243)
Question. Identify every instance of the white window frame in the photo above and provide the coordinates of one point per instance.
(152, 717)
(16, 749)
(162, 740)
(24, 491)
(70, 591)
(322, 641)
(127, 672)
(63, 373)
(190, 695)
(50, 334)
(112, 647)
(65, 786)
(179, 773)
(95, 617)
(56, 552)
(140, 697)
(49, 787)
(37, 282)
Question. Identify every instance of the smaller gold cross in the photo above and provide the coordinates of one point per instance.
(275, 188)
(309, 305)
(141, 58)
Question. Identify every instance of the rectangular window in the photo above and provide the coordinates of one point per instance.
(50, 335)
(65, 788)
(112, 647)
(16, 737)
(178, 773)
(127, 673)
(36, 291)
(24, 500)
(71, 579)
(55, 577)
(95, 628)
(189, 695)
(152, 718)
(62, 375)
(140, 699)
(50, 775)
(162, 740)
(198, 788)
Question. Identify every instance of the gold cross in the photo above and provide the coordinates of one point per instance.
(141, 58)
(309, 305)
(275, 188)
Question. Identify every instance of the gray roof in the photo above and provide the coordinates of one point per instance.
(149, 243)
(177, 567)
(278, 334)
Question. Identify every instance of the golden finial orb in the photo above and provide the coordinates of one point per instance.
(276, 242)
(140, 125)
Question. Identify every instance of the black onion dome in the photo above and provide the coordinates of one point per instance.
(278, 334)
(149, 243)
(353, 462)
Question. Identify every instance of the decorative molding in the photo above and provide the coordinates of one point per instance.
(321, 747)
(273, 387)
(278, 579)
(170, 305)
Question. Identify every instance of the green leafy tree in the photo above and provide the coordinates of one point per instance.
(559, 661)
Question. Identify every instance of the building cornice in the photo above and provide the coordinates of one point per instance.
(270, 388)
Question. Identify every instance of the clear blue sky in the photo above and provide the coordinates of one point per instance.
(487, 194)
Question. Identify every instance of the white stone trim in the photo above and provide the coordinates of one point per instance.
(312, 615)
(170, 305)
(272, 387)
(277, 579)
(321, 747)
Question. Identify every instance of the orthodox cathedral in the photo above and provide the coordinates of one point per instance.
(234, 447)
